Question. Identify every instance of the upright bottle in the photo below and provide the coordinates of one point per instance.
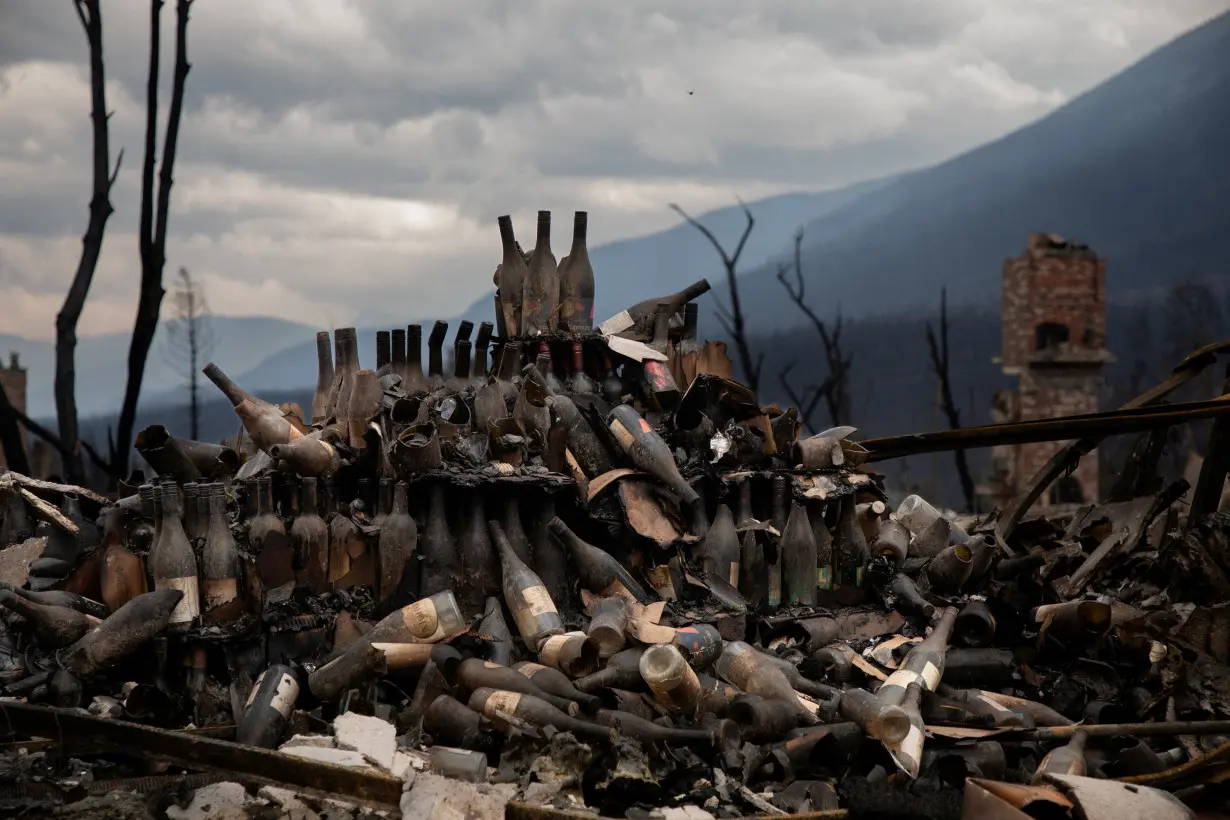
(513, 273)
(550, 556)
(779, 506)
(513, 527)
(510, 366)
(397, 354)
(435, 354)
(343, 533)
(174, 565)
(579, 381)
(441, 564)
(612, 384)
(546, 366)
(478, 560)
(824, 547)
(540, 298)
(481, 345)
(399, 537)
(531, 605)
(414, 381)
(309, 539)
(648, 451)
(384, 352)
(722, 548)
(577, 281)
(596, 569)
(384, 501)
(798, 558)
(265, 423)
(220, 565)
(267, 535)
(346, 344)
(461, 366)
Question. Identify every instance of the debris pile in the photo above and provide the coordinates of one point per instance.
(587, 572)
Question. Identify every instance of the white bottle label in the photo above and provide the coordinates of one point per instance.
(189, 607)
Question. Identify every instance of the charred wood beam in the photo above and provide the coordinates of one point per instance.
(246, 764)
(1207, 496)
(1056, 429)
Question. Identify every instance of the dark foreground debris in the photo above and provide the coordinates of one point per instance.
(588, 574)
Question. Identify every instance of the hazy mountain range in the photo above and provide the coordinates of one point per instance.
(1136, 167)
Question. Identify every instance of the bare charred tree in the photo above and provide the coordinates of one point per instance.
(155, 207)
(190, 340)
(732, 319)
(90, 15)
(940, 363)
(834, 390)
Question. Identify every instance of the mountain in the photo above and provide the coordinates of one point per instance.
(102, 362)
(1136, 168)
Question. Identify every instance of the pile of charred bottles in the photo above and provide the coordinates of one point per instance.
(665, 580)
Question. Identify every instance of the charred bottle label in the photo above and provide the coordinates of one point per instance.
(189, 606)
(501, 701)
(538, 601)
(808, 703)
(681, 693)
(530, 669)
(775, 585)
(626, 437)
(616, 589)
(733, 578)
(928, 679)
(284, 696)
(422, 621)
(221, 591)
(824, 578)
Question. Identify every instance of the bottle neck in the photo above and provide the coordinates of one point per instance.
(580, 224)
(170, 506)
(220, 380)
(383, 348)
(324, 356)
(578, 358)
(307, 496)
(414, 346)
(544, 229)
(510, 361)
(401, 501)
(507, 239)
(461, 357)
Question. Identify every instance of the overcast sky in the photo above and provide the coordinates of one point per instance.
(346, 161)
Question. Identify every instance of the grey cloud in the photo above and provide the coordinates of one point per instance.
(502, 106)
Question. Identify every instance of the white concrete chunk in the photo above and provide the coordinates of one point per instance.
(371, 737)
(441, 798)
(217, 801)
(288, 801)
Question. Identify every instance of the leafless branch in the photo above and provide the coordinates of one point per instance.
(835, 388)
(810, 398)
(733, 322)
(89, 13)
(940, 364)
(152, 241)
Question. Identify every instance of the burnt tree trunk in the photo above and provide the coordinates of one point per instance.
(91, 246)
(153, 227)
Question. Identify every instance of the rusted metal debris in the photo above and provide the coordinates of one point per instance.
(592, 576)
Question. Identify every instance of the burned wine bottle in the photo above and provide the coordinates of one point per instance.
(722, 548)
(529, 601)
(609, 625)
(53, 626)
(220, 566)
(1068, 759)
(399, 537)
(540, 296)
(441, 563)
(512, 273)
(309, 538)
(622, 671)
(578, 380)
(637, 321)
(268, 708)
(267, 535)
(435, 354)
(648, 451)
(174, 564)
(670, 678)
(596, 569)
(557, 683)
(923, 665)
(123, 633)
(534, 711)
(265, 423)
(479, 563)
(60, 597)
(798, 559)
(474, 674)
(577, 281)
(414, 381)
